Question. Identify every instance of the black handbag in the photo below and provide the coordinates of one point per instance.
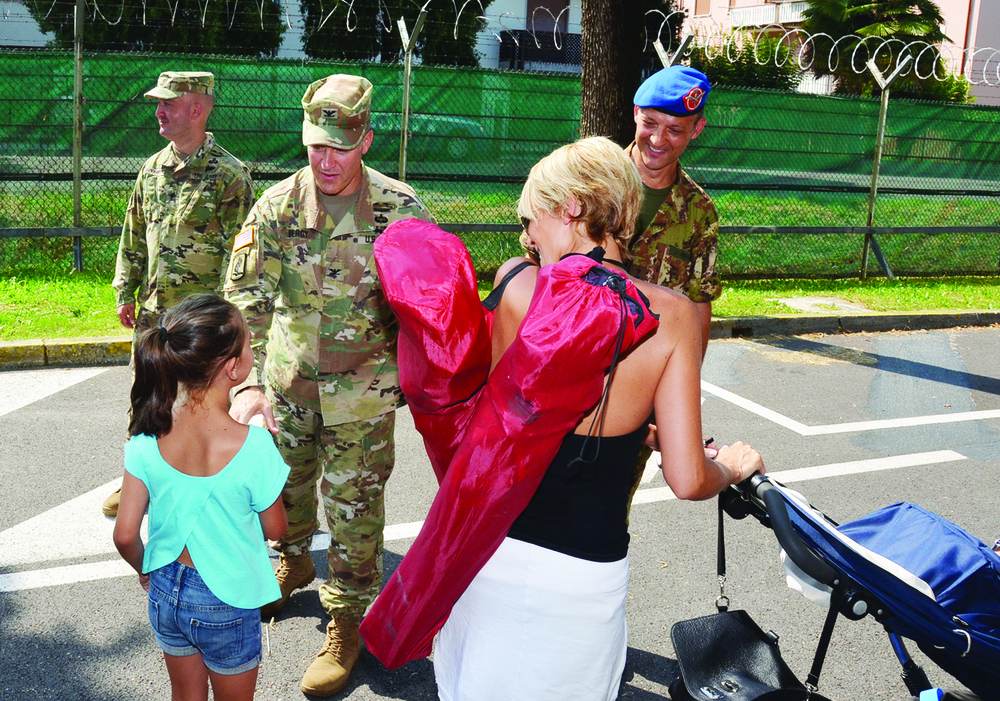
(728, 657)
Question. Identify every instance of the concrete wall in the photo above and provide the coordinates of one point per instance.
(18, 29)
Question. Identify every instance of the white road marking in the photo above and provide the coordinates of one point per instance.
(851, 427)
(19, 388)
(109, 569)
(652, 468)
(802, 474)
(72, 530)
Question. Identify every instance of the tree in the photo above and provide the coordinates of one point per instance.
(368, 31)
(615, 34)
(885, 30)
(240, 29)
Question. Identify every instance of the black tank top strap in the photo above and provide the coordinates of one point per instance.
(493, 299)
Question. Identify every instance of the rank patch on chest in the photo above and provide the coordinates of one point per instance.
(245, 238)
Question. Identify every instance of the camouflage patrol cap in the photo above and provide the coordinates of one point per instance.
(172, 84)
(337, 112)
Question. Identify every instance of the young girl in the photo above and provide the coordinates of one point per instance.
(213, 488)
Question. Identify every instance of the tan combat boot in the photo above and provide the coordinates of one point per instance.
(331, 669)
(110, 505)
(294, 572)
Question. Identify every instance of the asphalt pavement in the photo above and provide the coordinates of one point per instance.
(854, 421)
(115, 350)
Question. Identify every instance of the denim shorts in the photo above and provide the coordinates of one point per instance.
(188, 619)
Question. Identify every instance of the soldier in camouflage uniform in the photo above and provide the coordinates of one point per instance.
(304, 275)
(189, 201)
(677, 235)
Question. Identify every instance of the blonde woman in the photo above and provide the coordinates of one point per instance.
(545, 617)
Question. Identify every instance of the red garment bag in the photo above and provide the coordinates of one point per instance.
(581, 317)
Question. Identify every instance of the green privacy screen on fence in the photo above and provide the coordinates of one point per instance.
(768, 159)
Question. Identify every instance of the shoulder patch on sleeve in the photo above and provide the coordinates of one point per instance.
(245, 238)
(238, 266)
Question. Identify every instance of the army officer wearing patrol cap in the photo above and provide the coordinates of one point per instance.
(303, 273)
(188, 203)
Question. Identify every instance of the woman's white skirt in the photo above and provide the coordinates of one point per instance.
(535, 625)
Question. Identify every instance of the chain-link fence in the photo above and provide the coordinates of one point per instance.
(769, 159)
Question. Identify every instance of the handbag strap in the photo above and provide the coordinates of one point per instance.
(836, 597)
(722, 601)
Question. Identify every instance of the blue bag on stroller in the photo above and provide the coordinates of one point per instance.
(921, 576)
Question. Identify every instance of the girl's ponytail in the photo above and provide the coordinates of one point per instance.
(154, 389)
(184, 353)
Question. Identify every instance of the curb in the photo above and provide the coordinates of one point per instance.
(65, 352)
(116, 350)
(795, 324)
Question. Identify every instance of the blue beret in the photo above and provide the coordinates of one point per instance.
(676, 90)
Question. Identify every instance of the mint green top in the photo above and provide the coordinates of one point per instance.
(216, 517)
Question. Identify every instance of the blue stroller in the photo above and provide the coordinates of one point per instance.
(920, 576)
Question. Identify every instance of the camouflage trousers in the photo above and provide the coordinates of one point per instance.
(352, 463)
(635, 476)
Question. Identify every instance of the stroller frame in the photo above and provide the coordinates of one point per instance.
(805, 533)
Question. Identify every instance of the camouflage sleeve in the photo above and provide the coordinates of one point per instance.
(426, 215)
(237, 199)
(253, 275)
(130, 266)
(704, 284)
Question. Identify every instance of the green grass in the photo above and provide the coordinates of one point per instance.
(62, 304)
(830, 255)
(761, 297)
(79, 305)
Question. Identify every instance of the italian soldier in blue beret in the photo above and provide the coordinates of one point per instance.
(677, 236)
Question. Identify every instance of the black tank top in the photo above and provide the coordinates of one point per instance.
(581, 508)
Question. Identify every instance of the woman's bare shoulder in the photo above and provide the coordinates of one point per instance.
(512, 263)
(668, 304)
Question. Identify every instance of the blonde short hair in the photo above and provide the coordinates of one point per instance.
(602, 179)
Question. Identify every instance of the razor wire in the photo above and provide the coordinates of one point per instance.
(979, 65)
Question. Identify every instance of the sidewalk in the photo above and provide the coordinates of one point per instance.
(115, 350)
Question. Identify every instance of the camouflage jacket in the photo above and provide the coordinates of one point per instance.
(679, 247)
(179, 226)
(320, 325)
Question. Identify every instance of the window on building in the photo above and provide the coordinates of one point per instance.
(702, 7)
(543, 14)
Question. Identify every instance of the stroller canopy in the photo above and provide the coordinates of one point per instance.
(937, 584)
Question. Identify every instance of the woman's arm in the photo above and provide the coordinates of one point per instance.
(134, 500)
(274, 521)
(689, 473)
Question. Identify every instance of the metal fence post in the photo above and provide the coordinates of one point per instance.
(870, 241)
(668, 60)
(78, 16)
(409, 42)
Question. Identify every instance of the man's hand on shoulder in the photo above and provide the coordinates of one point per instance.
(248, 403)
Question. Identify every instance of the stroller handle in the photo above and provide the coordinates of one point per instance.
(760, 487)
